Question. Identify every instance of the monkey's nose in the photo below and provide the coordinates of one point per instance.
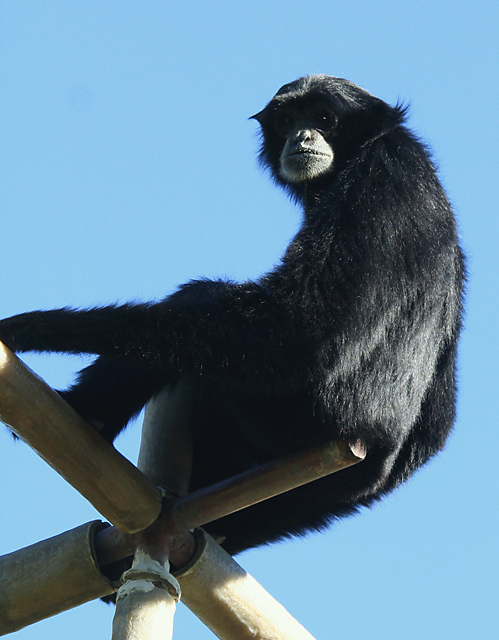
(301, 135)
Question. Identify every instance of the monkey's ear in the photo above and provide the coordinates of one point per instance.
(259, 117)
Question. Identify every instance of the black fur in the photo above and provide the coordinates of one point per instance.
(353, 335)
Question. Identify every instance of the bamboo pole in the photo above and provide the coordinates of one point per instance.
(165, 454)
(227, 599)
(38, 415)
(258, 484)
(64, 571)
(48, 577)
(146, 601)
(183, 513)
(231, 602)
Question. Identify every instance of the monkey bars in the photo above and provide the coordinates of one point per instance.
(148, 523)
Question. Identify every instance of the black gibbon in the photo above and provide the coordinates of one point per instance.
(352, 336)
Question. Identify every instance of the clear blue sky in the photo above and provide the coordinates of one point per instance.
(127, 166)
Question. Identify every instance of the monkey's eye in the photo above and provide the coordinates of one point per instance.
(283, 123)
(324, 120)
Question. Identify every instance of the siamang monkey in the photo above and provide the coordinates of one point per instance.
(352, 336)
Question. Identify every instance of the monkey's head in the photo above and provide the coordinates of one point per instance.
(312, 127)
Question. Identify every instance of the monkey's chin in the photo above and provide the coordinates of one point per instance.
(305, 166)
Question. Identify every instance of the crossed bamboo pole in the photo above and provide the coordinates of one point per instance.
(35, 583)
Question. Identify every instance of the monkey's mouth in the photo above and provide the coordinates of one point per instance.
(305, 163)
(307, 151)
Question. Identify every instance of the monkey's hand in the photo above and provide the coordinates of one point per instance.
(55, 330)
(15, 332)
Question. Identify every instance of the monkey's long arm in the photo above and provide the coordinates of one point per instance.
(237, 330)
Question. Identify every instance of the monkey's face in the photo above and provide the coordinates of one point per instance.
(314, 126)
(306, 153)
